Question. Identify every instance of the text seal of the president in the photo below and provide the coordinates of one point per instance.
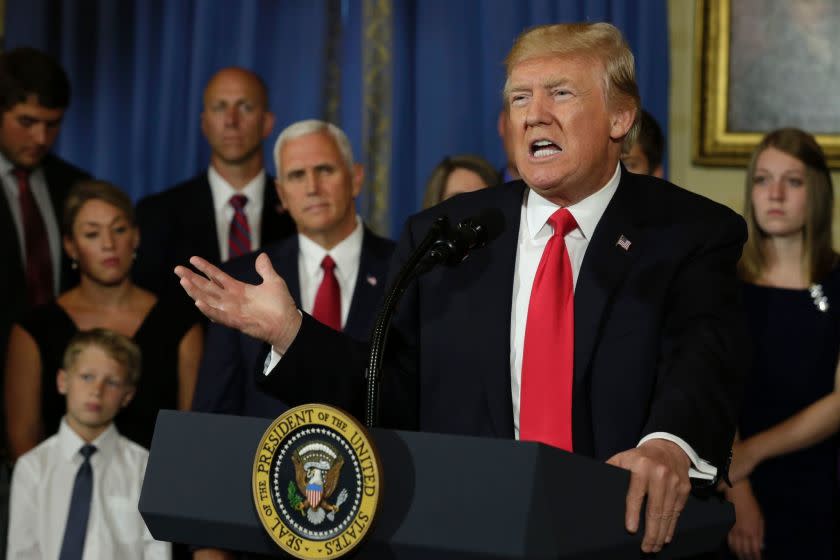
(316, 482)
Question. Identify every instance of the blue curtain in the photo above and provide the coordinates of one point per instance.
(138, 68)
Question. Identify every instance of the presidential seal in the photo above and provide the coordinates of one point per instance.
(316, 482)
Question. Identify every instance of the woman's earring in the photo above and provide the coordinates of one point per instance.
(134, 255)
(74, 264)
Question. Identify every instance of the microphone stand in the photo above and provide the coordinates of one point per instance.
(413, 267)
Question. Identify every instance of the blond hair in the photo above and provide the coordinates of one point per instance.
(116, 346)
(90, 189)
(818, 257)
(602, 42)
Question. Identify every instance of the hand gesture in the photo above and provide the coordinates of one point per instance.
(659, 470)
(265, 311)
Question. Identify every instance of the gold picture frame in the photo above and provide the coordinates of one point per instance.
(719, 142)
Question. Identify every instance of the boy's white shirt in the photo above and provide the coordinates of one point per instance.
(42, 483)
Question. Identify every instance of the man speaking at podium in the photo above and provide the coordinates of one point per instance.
(603, 319)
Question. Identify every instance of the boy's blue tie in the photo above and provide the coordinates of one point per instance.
(75, 530)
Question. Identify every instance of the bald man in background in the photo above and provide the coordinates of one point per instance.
(228, 210)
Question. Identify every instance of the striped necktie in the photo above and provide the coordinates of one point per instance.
(239, 237)
(39, 266)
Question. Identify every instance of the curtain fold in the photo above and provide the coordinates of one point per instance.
(138, 69)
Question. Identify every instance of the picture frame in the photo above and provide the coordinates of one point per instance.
(762, 65)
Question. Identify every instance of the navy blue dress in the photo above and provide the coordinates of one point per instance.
(795, 352)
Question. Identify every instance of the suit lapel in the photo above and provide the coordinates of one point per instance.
(276, 224)
(9, 233)
(203, 221)
(604, 267)
(367, 293)
(285, 261)
(492, 321)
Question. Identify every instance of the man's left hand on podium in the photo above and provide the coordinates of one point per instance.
(659, 471)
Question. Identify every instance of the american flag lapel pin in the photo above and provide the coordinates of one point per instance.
(371, 280)
(623, 242)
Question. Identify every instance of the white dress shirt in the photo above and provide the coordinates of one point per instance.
(42, 484)
(40, 191)
(534, 233)
(346, 256)
(221, 190)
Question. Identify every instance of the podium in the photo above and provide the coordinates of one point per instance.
(443, 496)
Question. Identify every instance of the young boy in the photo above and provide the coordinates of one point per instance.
(75, 495)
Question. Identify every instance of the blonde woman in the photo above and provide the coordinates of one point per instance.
(784, 466)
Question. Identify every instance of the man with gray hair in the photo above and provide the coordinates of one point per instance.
(335, 267)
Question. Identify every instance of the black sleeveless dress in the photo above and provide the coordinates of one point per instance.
(158, 337)
(796, 337)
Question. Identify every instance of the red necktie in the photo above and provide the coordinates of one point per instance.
(39, 270)
(239, 237)
(545, 403)
(327, 308)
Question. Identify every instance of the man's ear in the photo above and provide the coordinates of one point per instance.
(621, 121)
(358, 178)
(61, 381)
(127, 398)
(203, 122)
(268, 124)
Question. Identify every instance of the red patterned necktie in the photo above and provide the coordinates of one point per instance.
(39, 268)
(545, 404)
(327, 308)
(239, 237)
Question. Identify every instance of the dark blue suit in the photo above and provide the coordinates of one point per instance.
(659, 332)
(180, 222)
(226, 381)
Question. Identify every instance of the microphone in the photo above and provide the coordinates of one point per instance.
(455, 244)
(442, 244)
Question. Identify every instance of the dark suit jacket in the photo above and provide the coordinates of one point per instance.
(659, 331)
(226, 382)
(180, 222)
(60, 177)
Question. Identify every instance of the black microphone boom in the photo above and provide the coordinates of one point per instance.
(441, 245)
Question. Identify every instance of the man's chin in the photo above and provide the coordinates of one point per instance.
(29, 161)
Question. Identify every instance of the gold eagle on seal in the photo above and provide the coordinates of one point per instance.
(317, 470)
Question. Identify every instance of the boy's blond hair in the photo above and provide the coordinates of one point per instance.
(116, 346)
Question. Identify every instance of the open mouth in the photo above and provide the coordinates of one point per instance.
(544, 148)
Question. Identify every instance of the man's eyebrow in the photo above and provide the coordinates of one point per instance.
(553, 82)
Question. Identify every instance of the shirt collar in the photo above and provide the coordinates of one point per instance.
(222, 190)
(586, 212)
(345, 254)
(70, 442)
